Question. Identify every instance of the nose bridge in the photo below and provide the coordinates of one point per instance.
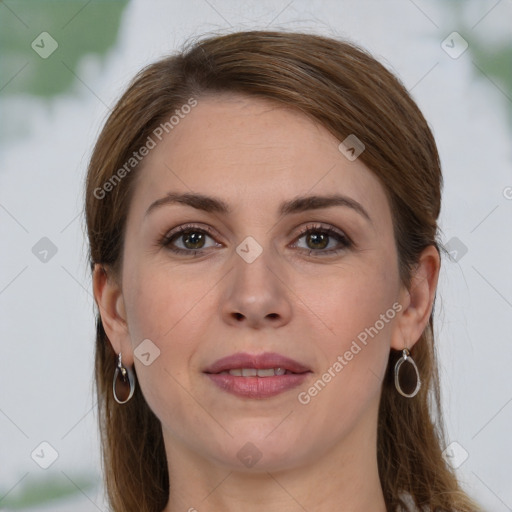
(256, 291)
(256, 264)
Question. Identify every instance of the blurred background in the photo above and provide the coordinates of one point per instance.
(63, 64)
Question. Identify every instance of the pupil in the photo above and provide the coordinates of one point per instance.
(194, 239)
(318, 238)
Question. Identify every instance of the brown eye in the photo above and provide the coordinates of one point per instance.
(318, 239)
(190, 240)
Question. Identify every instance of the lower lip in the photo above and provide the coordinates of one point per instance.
(257, 387)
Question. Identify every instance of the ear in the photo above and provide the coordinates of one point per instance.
(109, 298)
(417, 301)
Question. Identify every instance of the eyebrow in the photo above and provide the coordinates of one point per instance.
(296, 205)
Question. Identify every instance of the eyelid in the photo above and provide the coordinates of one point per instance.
(321, 226)
(344, 241)
(182, 228)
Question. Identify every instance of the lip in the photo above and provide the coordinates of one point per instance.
(259, 361)
(257, 387)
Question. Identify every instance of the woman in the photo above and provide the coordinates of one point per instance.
(262, 217)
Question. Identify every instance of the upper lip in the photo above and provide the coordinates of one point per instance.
(258, 361)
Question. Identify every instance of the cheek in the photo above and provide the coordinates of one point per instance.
(160, 300)
(348, 302)
(355, 316)
(168, 307)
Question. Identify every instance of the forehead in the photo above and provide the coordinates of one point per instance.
(252, 152)
(235, 129)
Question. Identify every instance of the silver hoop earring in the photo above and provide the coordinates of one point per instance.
(406, 358)
(127, 376)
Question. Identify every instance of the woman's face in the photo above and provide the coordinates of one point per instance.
(261, 277)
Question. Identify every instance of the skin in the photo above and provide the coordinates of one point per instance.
(254, 155)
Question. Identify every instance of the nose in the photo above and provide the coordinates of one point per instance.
(256, 294)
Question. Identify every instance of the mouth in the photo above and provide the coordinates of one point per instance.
(256, 372)
(257, 376)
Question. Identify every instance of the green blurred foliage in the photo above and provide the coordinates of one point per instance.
(79, 27)
(496, 64)
(43, 490)
(492, 63)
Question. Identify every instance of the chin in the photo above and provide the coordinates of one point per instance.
(254, 454)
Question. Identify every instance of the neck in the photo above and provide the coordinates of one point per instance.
(345, 479)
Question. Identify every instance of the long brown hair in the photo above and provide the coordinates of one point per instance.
(344, 88)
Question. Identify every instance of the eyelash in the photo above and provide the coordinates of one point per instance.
(343, 240)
